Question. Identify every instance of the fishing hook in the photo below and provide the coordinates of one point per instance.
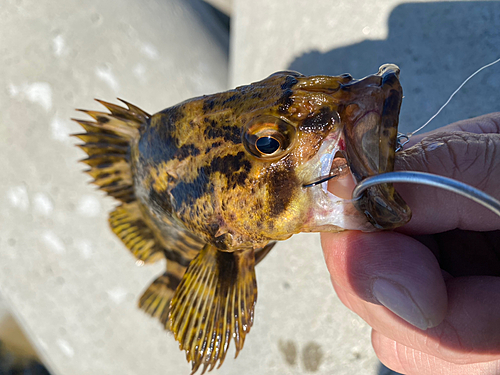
(431, 180)
(319, 180)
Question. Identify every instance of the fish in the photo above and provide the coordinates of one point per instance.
(212, 183)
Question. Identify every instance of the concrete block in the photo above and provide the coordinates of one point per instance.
(225, 6)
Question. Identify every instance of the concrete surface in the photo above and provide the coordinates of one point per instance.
(69, 281)
(437, 45)
(71, 284)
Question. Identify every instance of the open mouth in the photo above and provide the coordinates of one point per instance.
(367, 139)
(332, 208)
(334, 168)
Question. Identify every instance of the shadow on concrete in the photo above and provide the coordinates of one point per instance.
(436, 45)
(214, 21)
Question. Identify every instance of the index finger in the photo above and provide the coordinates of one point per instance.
(467, 157)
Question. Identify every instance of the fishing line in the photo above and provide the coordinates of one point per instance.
(430, 179)
(409, 135)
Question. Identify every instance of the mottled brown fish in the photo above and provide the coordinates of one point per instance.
(211, 183)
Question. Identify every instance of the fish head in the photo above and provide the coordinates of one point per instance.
(234, 168)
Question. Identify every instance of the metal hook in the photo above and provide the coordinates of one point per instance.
(400, 144)
(431, 180)
(319, 180)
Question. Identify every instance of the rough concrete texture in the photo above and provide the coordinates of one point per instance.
(72, 285)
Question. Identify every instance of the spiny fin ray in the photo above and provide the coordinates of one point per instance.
(127, 223)
(107, 143)
(156, 299)
(213, 304)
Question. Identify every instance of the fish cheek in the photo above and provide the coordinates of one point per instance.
(282, 203)
(280, 190)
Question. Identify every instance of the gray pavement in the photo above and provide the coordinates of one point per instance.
(70, 282)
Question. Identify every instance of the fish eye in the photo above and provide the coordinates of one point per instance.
(268, 137)
(267, 145)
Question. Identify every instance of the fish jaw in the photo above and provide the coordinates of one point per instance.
(368, 122)
(331, 213)
(370, 132)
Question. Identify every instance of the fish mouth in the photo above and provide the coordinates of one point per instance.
(371, 141)
(334, 167)
(332, 208)
(368, 116)
(368, 137)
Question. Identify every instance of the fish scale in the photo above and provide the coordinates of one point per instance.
(212, 183)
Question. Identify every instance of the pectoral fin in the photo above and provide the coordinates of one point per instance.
(213, 303)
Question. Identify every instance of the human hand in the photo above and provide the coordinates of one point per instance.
(431, 289)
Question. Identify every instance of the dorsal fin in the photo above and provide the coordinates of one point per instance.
(107, 143)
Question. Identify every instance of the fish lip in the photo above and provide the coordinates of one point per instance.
(372, 143)
(388, 72)
(386, 76)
